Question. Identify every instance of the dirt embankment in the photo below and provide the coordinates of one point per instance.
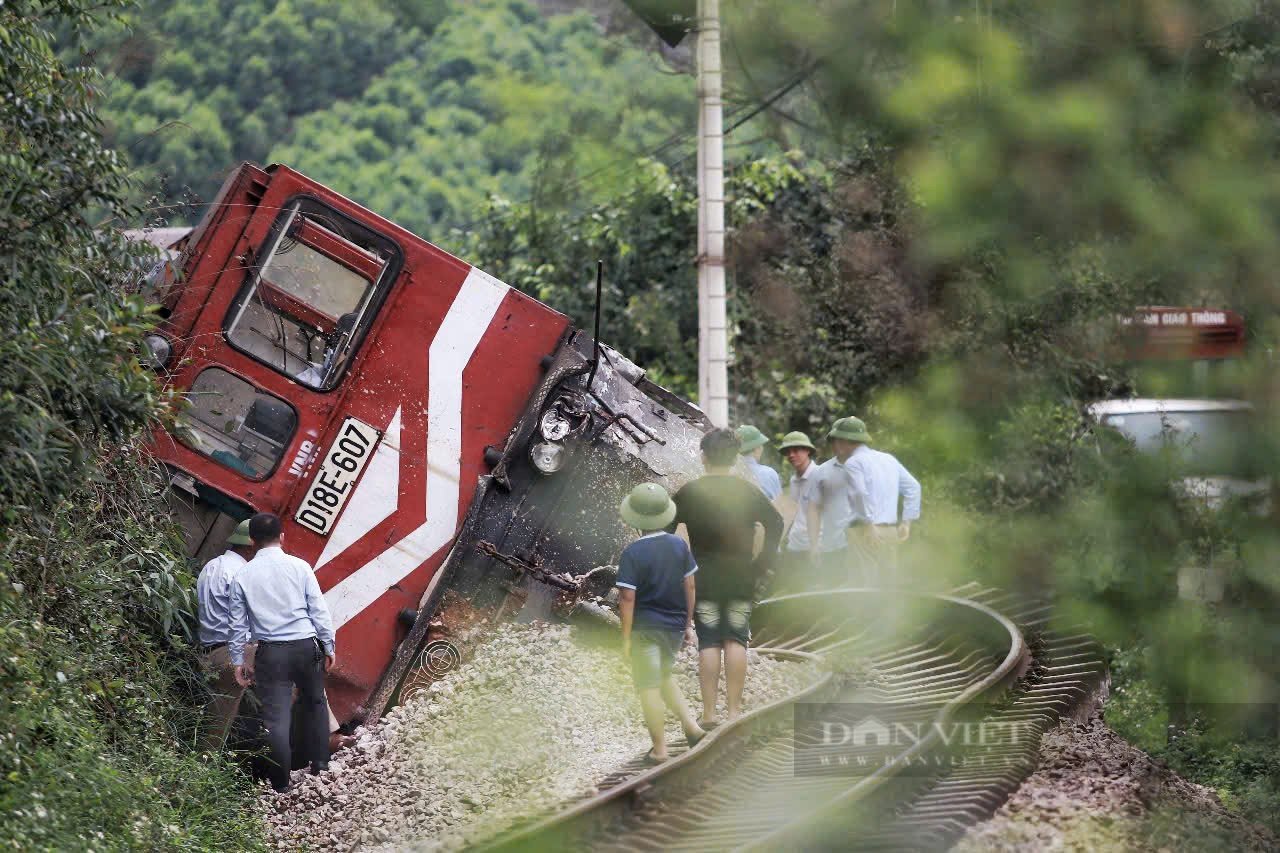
(1092, 792)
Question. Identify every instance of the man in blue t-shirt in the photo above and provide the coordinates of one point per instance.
(655, 601)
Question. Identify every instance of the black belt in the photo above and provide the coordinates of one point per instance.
(212, 647)
(287, 642)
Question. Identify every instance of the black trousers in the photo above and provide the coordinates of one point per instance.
(278, 669)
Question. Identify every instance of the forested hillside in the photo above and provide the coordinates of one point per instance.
(418, 109)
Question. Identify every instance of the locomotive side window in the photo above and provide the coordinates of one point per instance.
(235, 424)
(305, 308)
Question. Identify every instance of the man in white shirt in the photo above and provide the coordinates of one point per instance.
(751, 442)
(798, 575)
(213, 601)
(829, 513)
(878, 482)
(277, 599)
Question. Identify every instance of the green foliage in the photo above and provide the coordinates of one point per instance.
(499, 98)
(825, 311)
(418, 109)
(197, 86)
(821, 314)
(1136, 709)
(1210, 746)
(1062, 163)
(1050, 169)
(1008, 180)
(97, 680)
(645, 240)
(67, 329)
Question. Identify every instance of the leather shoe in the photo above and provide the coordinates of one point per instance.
(338, 742)
(318, 767)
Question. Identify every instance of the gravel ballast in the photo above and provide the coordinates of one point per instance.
(1093, 791)
(530, 721)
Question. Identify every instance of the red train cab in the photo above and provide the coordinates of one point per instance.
(419, 426)
(348, 376)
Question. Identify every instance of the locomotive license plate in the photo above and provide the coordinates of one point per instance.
(335, 482)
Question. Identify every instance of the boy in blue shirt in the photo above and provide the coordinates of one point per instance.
(655, 601)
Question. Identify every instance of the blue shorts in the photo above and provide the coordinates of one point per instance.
(653, 654)
(718, 621)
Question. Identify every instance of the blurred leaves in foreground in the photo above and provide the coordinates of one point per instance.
(1064, 163)
(1015, 179)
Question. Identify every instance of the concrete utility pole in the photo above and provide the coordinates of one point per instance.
(713, 332)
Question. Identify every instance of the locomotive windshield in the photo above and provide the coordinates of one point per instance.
(304, 310)
(235, 424)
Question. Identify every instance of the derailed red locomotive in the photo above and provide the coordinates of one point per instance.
(418, 425)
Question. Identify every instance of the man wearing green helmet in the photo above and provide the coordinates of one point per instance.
(655, 600)
(829, 513)
(213, 601)
(798, 451)
(751, 442)
(863, 486)
(879, 483)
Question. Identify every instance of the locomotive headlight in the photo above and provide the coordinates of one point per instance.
(554, 426)
(156, 352)
(547, 457)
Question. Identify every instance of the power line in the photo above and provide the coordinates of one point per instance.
(670, 142)
(1063, 38)
(774, 98)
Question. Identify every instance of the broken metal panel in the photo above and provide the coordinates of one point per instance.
(563, 524)
(613, 437)
(645, 427)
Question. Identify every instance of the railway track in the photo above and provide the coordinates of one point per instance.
(928, 714)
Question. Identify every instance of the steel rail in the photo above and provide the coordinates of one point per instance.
(817, 820)
(937, 683)
(618, 797)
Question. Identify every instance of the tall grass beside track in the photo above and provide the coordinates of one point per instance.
(99, 683)
(1240, 763)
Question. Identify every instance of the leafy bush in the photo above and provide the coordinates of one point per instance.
(67, 327)
(809, 343)
(98, 681)
(1238, 755)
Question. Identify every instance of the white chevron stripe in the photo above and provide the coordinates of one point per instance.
(451, 350)
(374, 499)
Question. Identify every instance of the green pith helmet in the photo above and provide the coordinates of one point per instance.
(648, 507)
(240, 536)
(796, 439)
(850, 429)
(749, 438)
